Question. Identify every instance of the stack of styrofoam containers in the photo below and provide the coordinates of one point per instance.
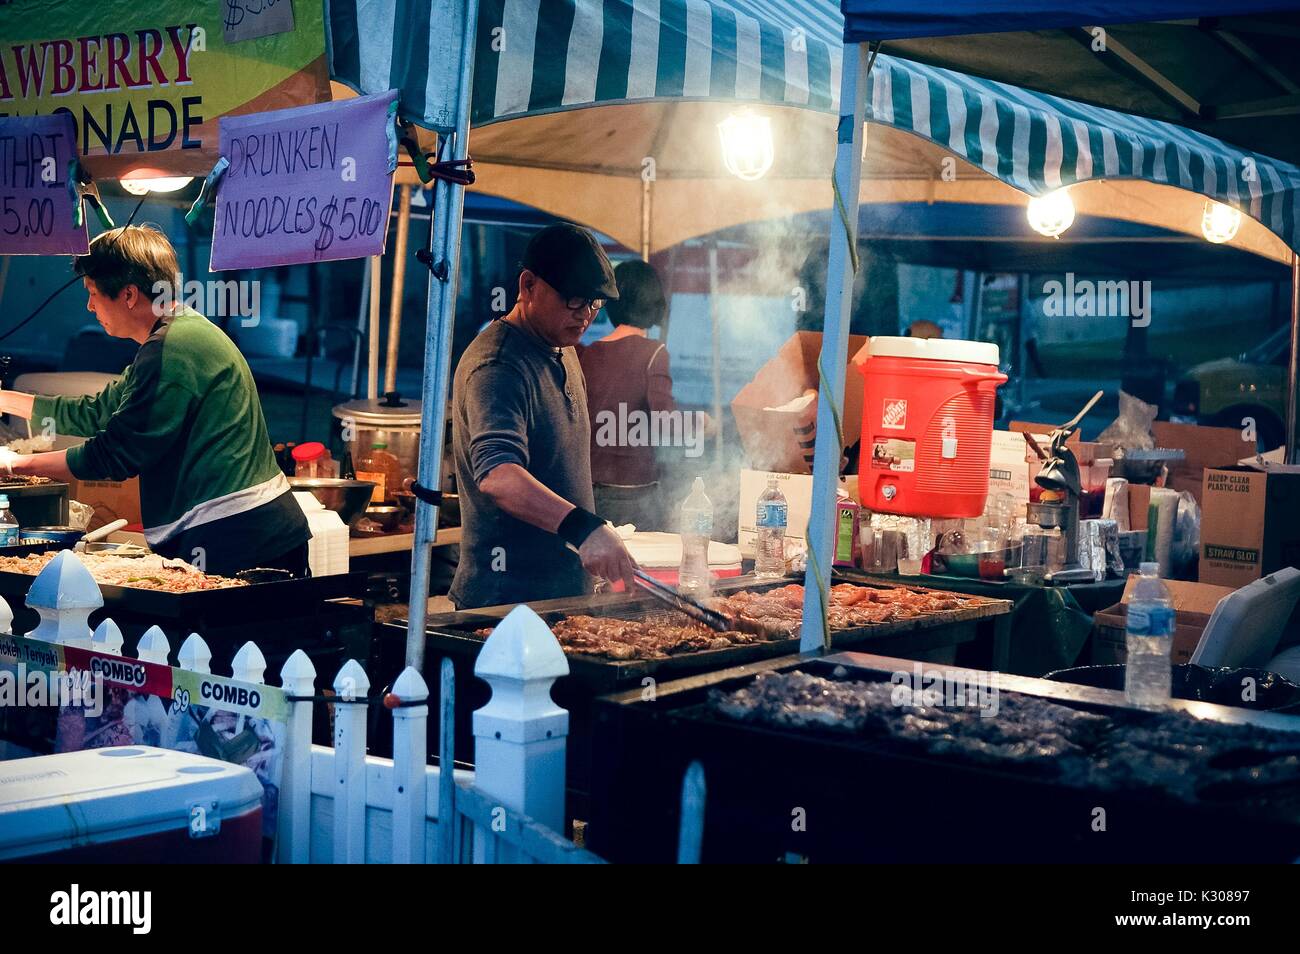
(327, 551)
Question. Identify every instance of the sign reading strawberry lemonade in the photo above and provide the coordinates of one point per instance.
(145, 83)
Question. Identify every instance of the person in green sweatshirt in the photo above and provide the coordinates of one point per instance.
(184, 417)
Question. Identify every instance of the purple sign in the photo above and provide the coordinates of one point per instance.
(35, 205)
(310, 184)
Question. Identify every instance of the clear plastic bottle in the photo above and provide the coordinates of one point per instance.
(769, 545)
(8, 524)
(697, 527)
(1149, 638)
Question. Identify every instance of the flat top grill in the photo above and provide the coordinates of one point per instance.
(457, 632)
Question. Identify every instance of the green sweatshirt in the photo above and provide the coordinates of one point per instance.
(185, 417)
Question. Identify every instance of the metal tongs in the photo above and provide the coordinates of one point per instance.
(697, 611)
(683, 604)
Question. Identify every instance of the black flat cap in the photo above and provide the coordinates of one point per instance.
(569, 259)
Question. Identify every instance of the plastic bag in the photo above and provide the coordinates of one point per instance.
(1187, 531)
(1132, 429)
(79, 514)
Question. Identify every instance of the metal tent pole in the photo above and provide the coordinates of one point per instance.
(372, 354)
(448, 206)
(399, 286)
(834, 353)
(1294, 361)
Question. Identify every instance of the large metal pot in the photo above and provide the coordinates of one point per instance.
(389, 420)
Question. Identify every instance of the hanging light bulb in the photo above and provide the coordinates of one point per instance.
(1051, 214)
(747, 149)
(140, 182)
(1219, 222)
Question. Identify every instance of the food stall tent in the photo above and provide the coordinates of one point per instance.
(569, 105)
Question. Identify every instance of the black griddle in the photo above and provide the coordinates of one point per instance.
(867, 798)
(978, 629)
(263, 600)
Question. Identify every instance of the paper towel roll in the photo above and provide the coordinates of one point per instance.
(1115, 504)
(1162, 514)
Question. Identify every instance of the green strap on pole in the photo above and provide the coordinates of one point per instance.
(74, 193)
(418, 158)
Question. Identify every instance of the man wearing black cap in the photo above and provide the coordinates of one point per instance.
(521, 437)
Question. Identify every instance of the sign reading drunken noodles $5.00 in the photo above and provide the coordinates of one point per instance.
(310, 184)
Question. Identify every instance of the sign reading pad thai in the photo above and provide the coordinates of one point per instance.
(35, 205)
(311, 184)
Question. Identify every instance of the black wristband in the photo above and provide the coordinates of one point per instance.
(578, 526)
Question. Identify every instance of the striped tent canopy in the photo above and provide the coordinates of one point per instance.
(541, 57)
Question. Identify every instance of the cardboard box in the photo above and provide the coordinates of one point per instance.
(798, 497)
(112, 499)
(782, 441)
(1205, 447)
(1193, 605)
(1139, 499)
(1250, 524)
(1008, 466)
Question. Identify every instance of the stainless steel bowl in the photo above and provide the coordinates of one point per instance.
(387, 516)
(347, 498)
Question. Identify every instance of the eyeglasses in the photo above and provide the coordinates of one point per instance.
(592, 305)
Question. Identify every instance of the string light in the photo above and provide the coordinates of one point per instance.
(1051, 214)
(747, 148)
(1219, 222)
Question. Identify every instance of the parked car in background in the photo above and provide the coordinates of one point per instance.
(1225, 391)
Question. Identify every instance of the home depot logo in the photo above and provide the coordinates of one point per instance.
(895, 415)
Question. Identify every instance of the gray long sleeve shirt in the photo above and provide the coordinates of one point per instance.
(517, 400)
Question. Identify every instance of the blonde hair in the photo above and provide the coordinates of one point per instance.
(137, 255)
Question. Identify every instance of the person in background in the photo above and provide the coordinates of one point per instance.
(923, 328)
(520, 437)
(627, 376)
(185, 418)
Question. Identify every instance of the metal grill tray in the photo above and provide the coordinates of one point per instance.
(950, 804)
(454, 633)
(256, 600)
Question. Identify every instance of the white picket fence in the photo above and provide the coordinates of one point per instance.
(340, 805)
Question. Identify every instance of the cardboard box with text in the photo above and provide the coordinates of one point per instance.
(1250, 524)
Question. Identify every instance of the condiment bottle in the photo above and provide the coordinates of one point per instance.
(383, 469)
(313, 459)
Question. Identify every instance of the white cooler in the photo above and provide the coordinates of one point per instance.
(129, 805)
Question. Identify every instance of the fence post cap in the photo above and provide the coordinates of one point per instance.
(65, 583)
(522, 647)
(6, 616)
(154, 641)
(194, 652)
(107, 633)
(410, 686)
(352, 680)
(297, 666)
(249, 657)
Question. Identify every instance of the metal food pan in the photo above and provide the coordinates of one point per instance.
(456, 632)
(872, 798)
(256, 600)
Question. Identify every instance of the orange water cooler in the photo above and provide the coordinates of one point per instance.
(927, 426)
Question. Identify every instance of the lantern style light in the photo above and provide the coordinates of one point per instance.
(1219, 222)
(1051, 214)
(144, 184)
(747, 149)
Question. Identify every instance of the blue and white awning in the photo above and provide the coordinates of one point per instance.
(543, 56)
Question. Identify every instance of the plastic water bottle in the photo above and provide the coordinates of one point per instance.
(1149, 637)
(8, 524)
(697, 527)
(769, 545)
